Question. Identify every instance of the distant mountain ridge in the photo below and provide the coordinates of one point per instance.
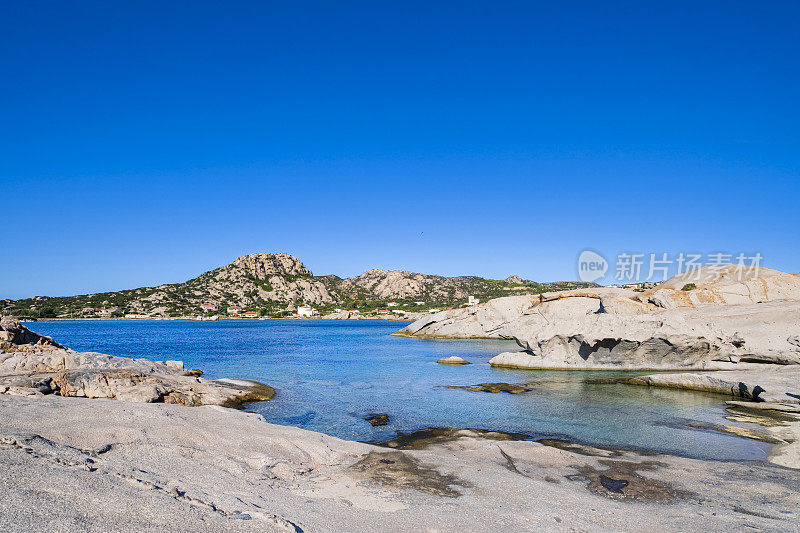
(274, 284)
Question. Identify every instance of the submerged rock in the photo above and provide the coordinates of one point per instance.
(494, 388)
(378, 419)
(453, 360)
(422, 438)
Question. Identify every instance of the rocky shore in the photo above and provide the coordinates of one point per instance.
(742, 324)
(761, 388)
(46, 367)
(92, 442)
(729, 318)
(137, 466)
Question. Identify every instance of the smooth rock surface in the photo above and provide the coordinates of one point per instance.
(711, 326)
(724, 285)
(73, 464)
(768, 387)
(669, 339)
(453, 360)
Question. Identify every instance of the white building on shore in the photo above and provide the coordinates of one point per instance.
(306, 311)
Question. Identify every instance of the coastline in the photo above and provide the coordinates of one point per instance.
(190, 319)
(214, 467)
(217, 468)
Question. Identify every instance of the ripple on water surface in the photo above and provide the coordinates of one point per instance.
(332, 375)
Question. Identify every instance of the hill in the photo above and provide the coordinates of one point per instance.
(274, 285)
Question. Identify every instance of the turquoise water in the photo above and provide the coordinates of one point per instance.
(331, 374)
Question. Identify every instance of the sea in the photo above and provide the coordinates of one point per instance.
(331, 375)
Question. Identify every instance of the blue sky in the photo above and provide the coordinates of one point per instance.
(147, 142)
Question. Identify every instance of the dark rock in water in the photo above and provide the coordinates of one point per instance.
(378, 420)
(614, 485)
(493, 388)
(422, 438)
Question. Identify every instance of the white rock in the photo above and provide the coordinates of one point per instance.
(453, 360)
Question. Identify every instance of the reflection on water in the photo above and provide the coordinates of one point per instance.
(330, 375)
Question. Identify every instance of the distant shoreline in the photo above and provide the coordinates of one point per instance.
(188, 319)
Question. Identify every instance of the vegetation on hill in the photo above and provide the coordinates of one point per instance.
(273, 285)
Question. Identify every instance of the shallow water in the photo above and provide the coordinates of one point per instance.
(331, 374)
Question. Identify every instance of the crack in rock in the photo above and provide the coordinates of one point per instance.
(65, 455)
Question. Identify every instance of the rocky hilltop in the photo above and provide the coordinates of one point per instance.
(271, 281)
(274, 285)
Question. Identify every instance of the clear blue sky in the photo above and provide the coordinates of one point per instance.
(147, 142)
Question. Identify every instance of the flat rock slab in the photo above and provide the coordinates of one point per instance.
(81, 464)
(766, 406)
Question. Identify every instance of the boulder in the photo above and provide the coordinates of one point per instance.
(616, 304)
(15, 334)
(493, 318)
(453, 360)
(520, 360)
(377, 420)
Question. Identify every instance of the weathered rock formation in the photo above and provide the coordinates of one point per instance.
(728, 285)
(678, 338)
(13, 335)
(118, 466)
(31, 369)
(494, 318)
(481, 321)
(736, 317)
(256, 278)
